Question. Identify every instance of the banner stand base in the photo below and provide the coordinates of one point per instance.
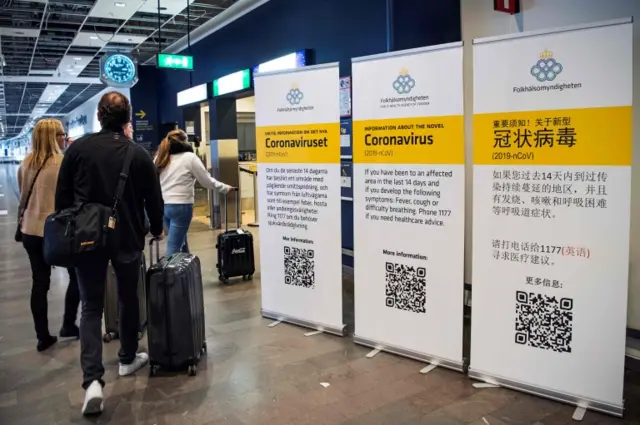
(449, 364)
(598, 406)
(304, 323)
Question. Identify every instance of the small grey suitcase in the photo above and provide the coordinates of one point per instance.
(111, 313)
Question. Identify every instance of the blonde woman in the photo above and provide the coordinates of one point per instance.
(44, 161)
(179, 169)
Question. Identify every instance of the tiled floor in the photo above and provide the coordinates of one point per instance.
(252, 374)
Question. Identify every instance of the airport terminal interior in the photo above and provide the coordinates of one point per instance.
(211, 68)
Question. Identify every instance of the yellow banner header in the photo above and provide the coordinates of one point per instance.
(589, 136)
(418, 140)
(304, 144)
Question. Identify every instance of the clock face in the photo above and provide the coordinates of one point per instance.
(119, 69)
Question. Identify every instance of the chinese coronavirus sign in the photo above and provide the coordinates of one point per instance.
(552, 136)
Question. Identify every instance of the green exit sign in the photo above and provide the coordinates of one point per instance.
(237, 81)
(175, 61)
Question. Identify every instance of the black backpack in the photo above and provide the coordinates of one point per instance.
(86, 228)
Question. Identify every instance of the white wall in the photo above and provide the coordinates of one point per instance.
(204, 108)
(90, 109)
(480, 20)
(246, 104)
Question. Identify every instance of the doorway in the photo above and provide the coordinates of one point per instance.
(246, 123)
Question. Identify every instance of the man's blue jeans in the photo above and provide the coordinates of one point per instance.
(177, 218)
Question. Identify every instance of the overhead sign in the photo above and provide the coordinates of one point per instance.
(192, 95)
(141, 114)
(552, 153)
(291, 61)
(175, 61)
(237, 81)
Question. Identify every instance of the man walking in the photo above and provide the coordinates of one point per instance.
(89, 174)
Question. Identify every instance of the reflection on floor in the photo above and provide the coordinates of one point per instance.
(252, 374)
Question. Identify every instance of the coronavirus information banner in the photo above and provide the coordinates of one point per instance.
(551, 212)
(408, 190)
(298, 147)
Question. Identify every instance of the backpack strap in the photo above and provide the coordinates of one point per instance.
(23, 208)
(122, 178)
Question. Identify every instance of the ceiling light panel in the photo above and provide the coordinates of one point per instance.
(73, 65)
(19, 32)
(115, 9)
(167, 7)
(129, 39)
(47, 72)
(93, 39)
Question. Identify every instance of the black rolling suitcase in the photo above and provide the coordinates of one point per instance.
(235, 250)
(175, 330)
(111, 310)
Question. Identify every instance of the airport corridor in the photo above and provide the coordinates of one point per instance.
(252, 374)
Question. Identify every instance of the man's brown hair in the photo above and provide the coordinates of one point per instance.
(114, 111)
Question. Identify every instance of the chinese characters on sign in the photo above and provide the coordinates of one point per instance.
(551, 211)
(536, 193)
(544, 132)
(544, 282)
(535, 253)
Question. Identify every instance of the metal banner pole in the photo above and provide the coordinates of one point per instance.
(255, 200)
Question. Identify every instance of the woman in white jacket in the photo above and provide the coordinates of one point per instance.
(179, 168)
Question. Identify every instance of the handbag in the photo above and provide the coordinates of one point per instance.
(85, 228)
(23, 208)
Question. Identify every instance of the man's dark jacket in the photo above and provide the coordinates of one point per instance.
(89, 173)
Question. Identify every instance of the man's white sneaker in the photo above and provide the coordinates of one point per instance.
(137, 364)
(93, 399)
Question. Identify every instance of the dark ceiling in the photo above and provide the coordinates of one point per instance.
(30, 59)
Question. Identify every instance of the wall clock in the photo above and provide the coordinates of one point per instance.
(118, 70)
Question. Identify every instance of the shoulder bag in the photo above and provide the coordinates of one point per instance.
(23, 207)
(86, 228)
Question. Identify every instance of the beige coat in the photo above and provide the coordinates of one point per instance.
(42, 201)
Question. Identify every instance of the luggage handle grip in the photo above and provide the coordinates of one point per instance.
(226, 210)
(157, 242)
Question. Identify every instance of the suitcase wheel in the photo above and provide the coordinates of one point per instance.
(193, 370)
(109, 336)
(204, 347)
(223, 279)
(247, 277)
(153, 370)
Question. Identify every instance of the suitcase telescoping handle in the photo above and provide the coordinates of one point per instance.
(226, 210)
(156, 242)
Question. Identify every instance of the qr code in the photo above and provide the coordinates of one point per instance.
(406, 287)
(299, 267)
(544, 321)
